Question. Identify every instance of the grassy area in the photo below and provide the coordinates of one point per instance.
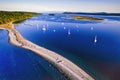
(7, 17)
(86, 18)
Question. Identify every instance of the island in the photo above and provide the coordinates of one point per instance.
(86, 18)
(71, 70)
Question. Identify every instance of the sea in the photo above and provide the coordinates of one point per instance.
(92, 45)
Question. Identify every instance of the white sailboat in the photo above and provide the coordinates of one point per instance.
(95, 40)
(69, 32)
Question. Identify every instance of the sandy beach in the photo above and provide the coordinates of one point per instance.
(72, 71)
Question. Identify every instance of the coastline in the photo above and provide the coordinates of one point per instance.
(72, 71)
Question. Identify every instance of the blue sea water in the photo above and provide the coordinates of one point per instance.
(20, 64)
(92, 45)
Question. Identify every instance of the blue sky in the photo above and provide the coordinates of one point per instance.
(61, 5)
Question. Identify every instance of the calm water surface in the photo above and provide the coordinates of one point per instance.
(92, 45)
(21, 64)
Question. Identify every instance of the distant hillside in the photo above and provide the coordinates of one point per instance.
(6, 17)
(101, 13)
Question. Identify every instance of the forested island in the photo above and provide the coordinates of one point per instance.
(86, 18)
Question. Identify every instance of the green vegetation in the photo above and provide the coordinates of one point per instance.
(7, 17)
(86, 18)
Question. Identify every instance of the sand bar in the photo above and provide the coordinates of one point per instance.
(72, 71)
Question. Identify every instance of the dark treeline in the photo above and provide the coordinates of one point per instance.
(99, 13)
(6, 17)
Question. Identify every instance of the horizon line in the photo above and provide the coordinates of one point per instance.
(59, 11)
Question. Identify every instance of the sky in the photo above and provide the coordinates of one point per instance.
(61, 5)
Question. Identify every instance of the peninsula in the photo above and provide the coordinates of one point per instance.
(71, 71)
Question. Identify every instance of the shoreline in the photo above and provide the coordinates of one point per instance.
(72, 71)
